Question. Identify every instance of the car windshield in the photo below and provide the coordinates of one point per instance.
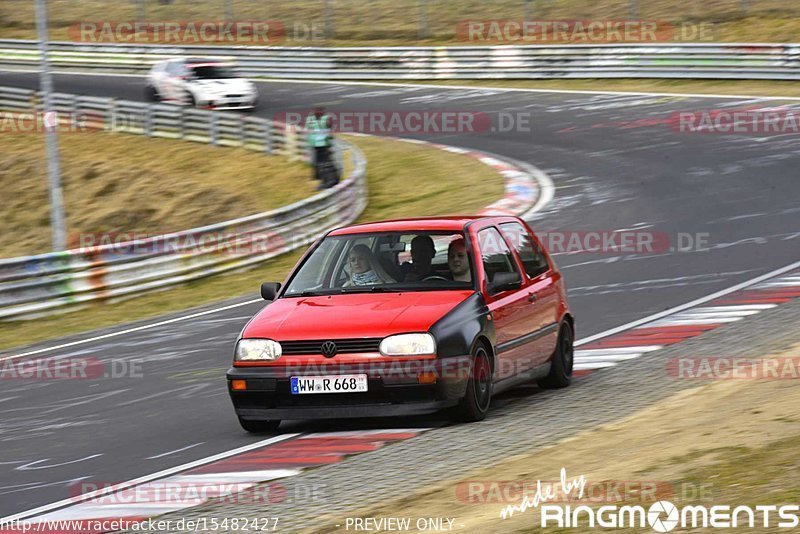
(362, 263)
(211, 72)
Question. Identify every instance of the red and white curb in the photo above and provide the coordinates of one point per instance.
(687, 323)
(215, 480)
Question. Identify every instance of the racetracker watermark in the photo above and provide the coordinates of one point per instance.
(61, 368)
(12, 122)
(775, 121)
(580, 31)
(427, 121)
(611, 242)
(262, 32)
(207, 490)
(230, 242)
(734, 368)
(481, 492)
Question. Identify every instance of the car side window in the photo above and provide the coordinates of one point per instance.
(495, 254)
(533, 259)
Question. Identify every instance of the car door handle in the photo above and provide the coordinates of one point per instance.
(532, 296)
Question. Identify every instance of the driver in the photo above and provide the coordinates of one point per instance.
(364, 268)
(457, 261)
(422, 253)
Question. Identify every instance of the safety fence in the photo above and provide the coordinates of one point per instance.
(44, 283)
(666, 60)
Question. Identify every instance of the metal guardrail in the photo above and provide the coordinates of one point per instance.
(44, 283)
(666, 60)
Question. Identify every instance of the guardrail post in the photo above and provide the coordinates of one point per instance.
(142, 10)
(329, 29)
(290, 146)
(214, 139)
(423, 20)
(148, 121)
(182, 122)
(242, 130)
(111, 124)
(632, 10)
(268, 146)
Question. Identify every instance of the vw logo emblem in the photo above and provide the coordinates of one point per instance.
(329, 349)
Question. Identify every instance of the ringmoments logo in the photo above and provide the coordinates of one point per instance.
(661, 516)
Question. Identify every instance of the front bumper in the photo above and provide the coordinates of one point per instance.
(392, 391)
(223, 103)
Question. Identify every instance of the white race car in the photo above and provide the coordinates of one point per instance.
(203, 83)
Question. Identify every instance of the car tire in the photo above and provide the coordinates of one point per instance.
(560, 374)
(476, 401)
(151, 94)
(260, 427)
(190, 100)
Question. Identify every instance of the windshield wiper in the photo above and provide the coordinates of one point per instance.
(366, 289)
(307, 293)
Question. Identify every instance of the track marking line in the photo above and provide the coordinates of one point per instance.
(128, 330)
(686, 306)
(163, 454)
(147, 478)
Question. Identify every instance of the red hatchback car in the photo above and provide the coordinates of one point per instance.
(405, 317)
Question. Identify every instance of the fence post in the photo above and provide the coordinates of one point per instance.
(329, 27)
(633, 10)
(290, 146)
(142, 10)
(148, 121)
(423, 20)
(268, 147)
(214, 138)
(112, 106)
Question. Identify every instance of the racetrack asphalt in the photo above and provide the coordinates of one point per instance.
(616, 163)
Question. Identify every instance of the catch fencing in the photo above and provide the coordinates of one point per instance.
(665, 60)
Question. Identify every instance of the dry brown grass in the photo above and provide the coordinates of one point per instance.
(126, 183)
(397, 22)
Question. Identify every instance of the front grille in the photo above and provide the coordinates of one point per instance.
(343, 346)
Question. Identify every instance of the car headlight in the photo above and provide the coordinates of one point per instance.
(250, 350)
(408, 345)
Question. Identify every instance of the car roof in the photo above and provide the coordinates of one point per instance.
(451, 224)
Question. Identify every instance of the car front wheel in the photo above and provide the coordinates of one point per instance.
(476, 401)
(259, 427)
(560, 374)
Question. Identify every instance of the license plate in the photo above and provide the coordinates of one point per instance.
(303, 385)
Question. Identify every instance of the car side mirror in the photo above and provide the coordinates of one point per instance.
(504, 282)
(269, 290)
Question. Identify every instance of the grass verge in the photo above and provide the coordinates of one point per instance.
(411, 22)
(133, 184)
(404, 180)
(731, 442)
